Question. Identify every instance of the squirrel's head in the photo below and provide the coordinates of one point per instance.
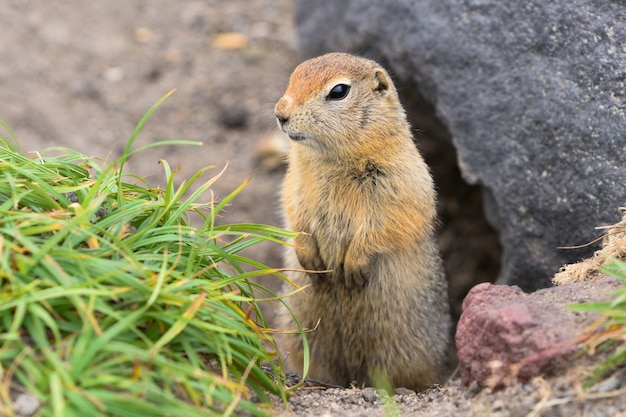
(337, 101)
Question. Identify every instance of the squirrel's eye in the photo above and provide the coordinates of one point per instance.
(338, 92)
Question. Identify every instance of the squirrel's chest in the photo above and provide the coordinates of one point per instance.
(353, 185)
(341, 204)
(337, 201)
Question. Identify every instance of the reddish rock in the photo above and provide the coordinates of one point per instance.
(505, 335)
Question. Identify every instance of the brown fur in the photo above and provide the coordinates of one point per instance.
(364, 198)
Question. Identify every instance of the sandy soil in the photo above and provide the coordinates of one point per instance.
(81, 75)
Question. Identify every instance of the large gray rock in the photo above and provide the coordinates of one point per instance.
(533, 95)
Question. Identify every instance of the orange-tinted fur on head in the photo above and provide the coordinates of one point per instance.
(361, 193)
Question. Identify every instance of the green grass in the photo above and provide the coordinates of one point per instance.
(112, 303)
(609, 331)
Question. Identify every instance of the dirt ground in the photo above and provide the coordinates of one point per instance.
(81, 75)
(558, 395)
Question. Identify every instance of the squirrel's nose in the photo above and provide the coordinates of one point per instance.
(282, 119)
(281, 111)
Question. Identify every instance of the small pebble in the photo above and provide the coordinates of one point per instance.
(404, 391)
(235, 117)
(26, 405)
(472, 389)
(369, 394)
(143, 35)
(229, 40)
(113, 74)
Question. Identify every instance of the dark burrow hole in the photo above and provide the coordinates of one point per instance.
(469, 245)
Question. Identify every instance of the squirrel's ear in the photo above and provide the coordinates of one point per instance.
(381, 81)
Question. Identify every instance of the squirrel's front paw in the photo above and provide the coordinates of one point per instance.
(356, 275)
(312, 264)
(309, 257)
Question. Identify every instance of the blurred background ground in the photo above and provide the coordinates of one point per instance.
(81, 74)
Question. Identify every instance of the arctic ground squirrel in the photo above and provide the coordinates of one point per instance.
(363, 199)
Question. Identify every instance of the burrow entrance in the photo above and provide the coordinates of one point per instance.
(469, 246)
